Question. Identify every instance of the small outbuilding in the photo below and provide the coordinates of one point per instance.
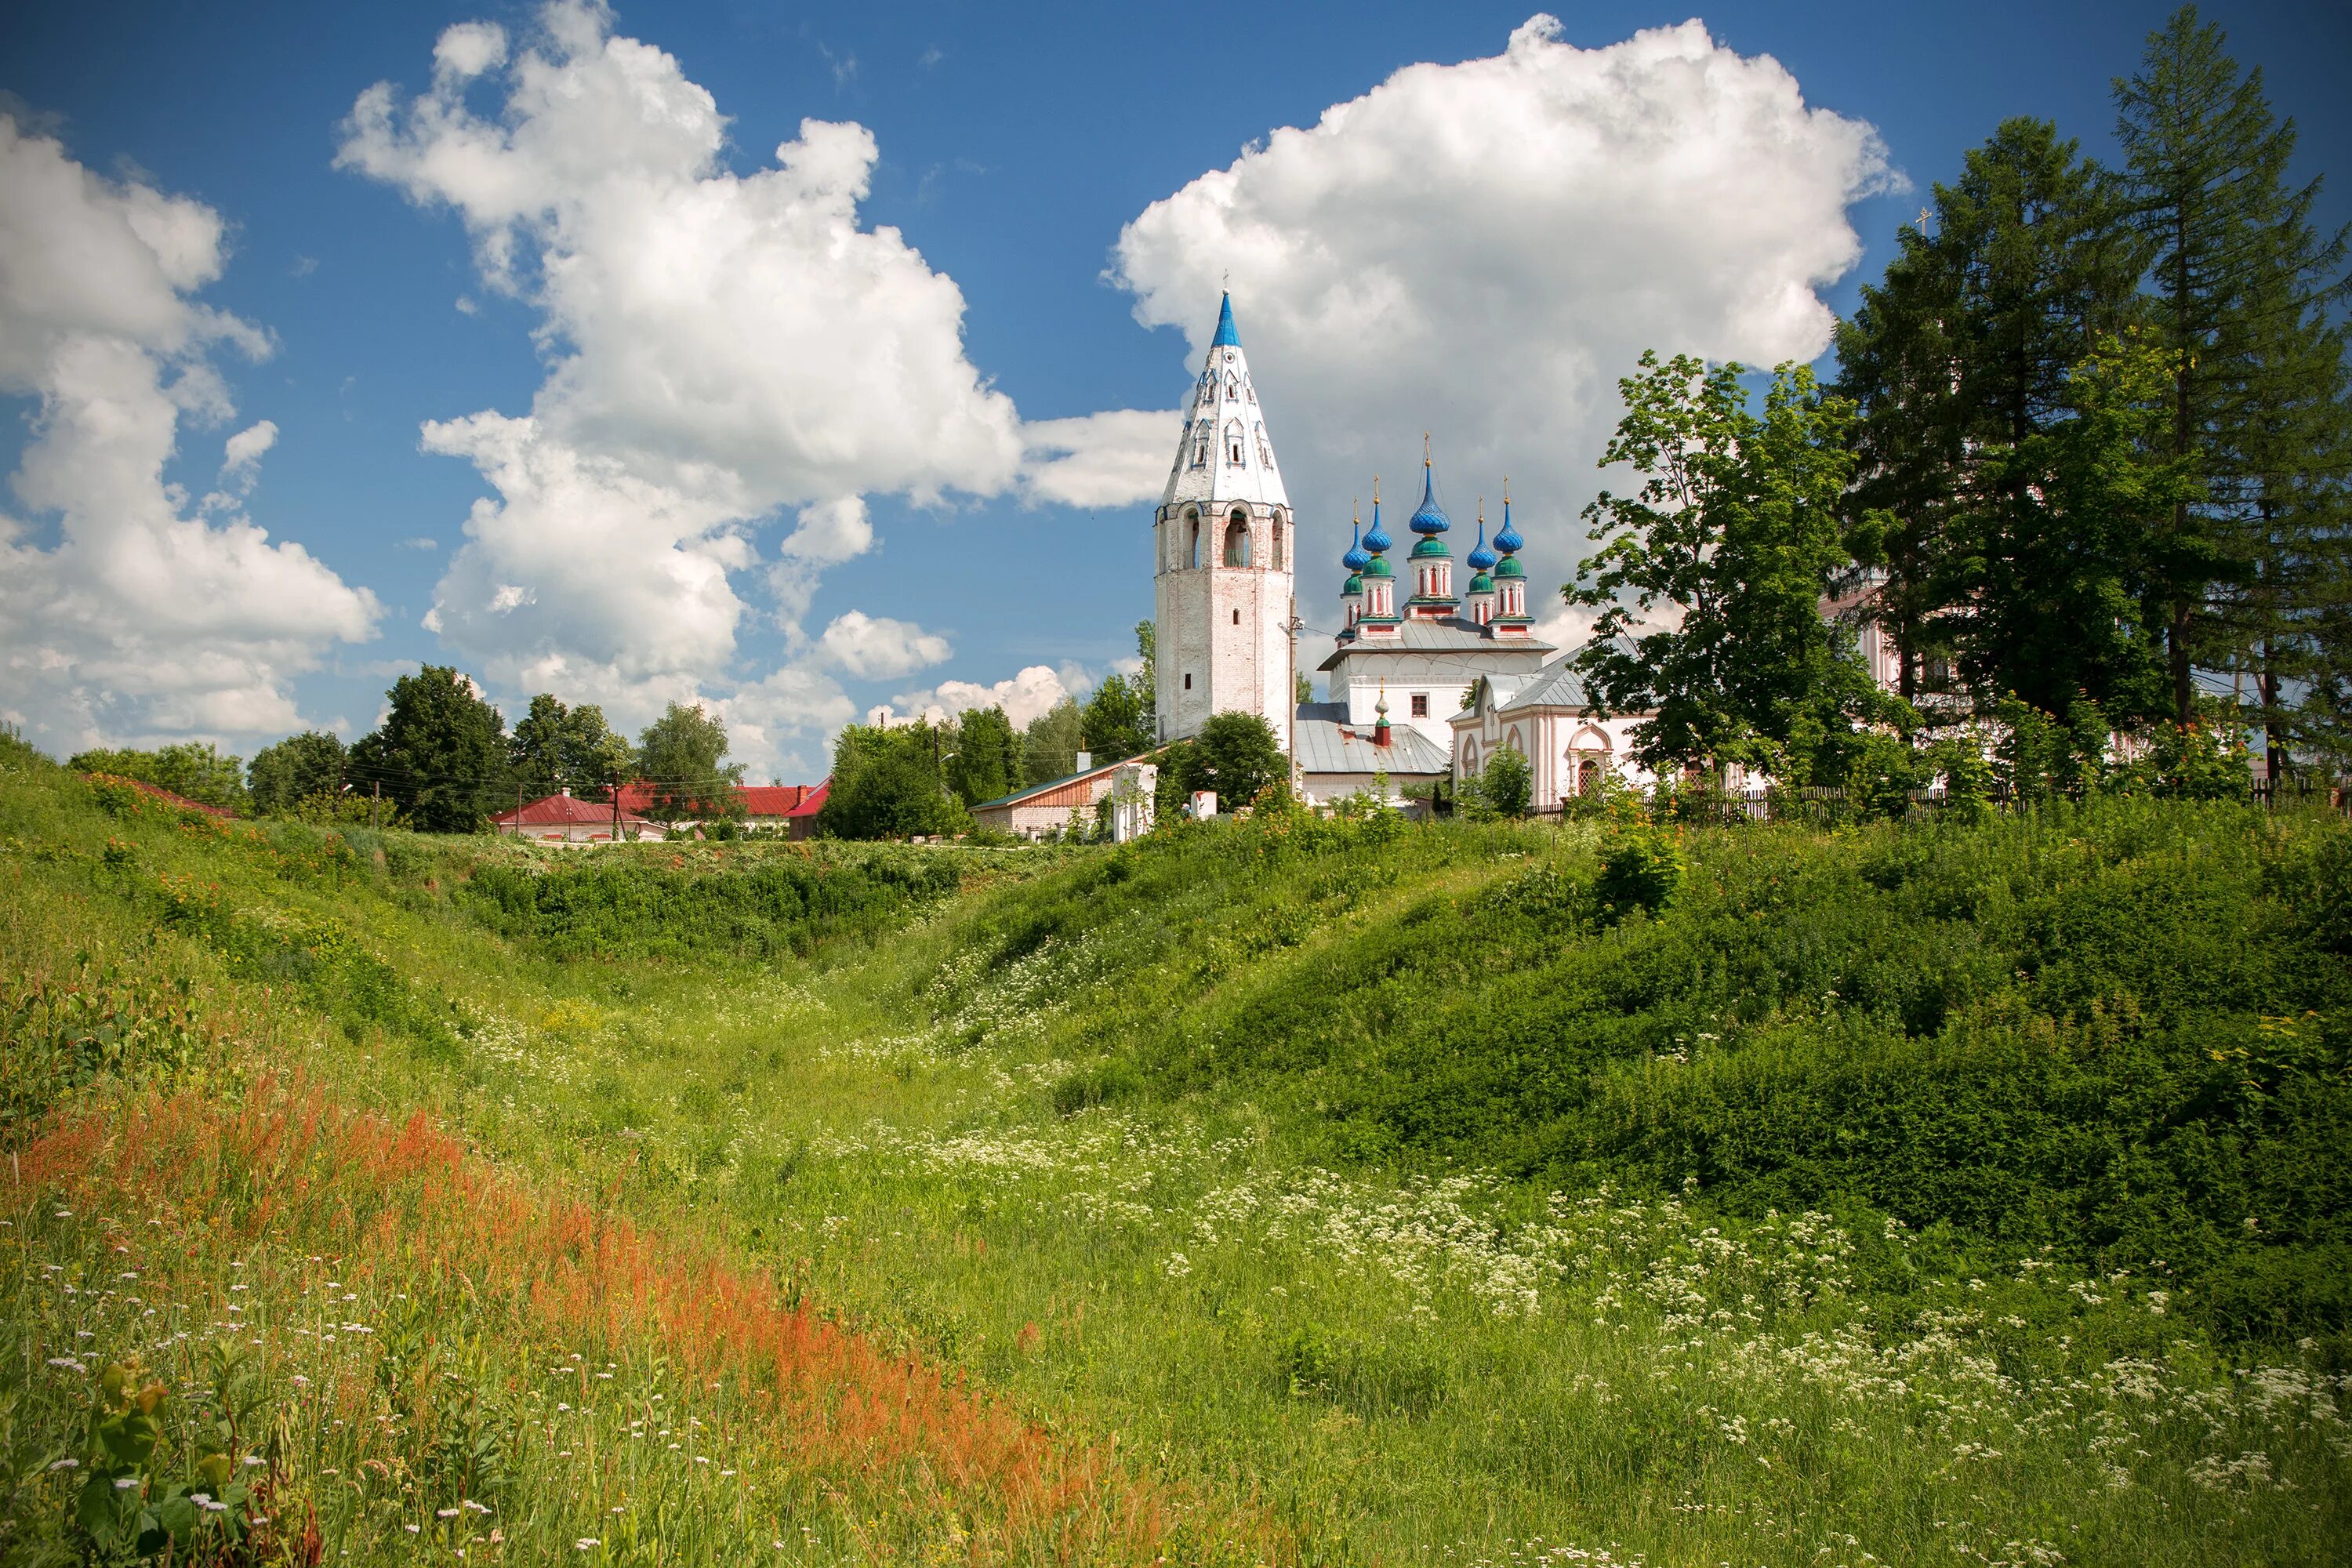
(1047, 808)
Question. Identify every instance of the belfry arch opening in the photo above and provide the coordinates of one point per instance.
(1192, 541)
(1237, 540)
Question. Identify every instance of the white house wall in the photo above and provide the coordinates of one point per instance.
(1550, 739)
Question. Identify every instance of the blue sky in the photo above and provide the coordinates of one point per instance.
(1402, 271)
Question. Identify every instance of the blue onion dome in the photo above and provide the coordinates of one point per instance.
(1430, 548)
(1508, 541)
(1377, 540)
(1481, 558)
(1482, 583)
(1378, 566)
(1353, 586)
(1509, 567)
(1431, 518)
(1354, 559)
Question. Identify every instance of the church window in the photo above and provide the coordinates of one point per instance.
(1188, 682)
(1192, 518)
(1421, 704)
(1237, 540)
(1469, 756)
(1237, 617)
(1588, 776)
(1277, 541)
(1512, 741)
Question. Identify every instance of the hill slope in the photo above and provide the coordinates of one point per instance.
(1367, 1194)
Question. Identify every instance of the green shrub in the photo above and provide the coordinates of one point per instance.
(1641, 870)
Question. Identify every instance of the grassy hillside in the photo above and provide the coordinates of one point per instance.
(1285, 1191)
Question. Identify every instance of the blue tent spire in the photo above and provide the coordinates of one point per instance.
(1226, 337)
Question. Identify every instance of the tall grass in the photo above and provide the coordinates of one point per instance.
(1395, 1193)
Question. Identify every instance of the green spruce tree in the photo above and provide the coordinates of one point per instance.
(2241, 283)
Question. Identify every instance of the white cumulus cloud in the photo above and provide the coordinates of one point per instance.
(870, 646)
(242, 453)
(1480, 250)
(1023, 696)
(721, 346)
(141, 622)
(1117, 457)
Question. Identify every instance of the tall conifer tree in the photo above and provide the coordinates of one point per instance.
(1961, 364)
(2242, 281)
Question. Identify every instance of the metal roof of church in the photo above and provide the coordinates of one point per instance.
(1325, 744)
(1556, 685)
(1450, 634)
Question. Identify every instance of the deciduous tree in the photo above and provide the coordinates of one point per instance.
(682, 758)
(1709, 579)
(1050, 748)
(440, 754)
(296, 769)
(554, 747)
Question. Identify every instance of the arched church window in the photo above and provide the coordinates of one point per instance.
(1277, 541)
(1469, 756)
(1512, 741)
(1588, 776)
(1237, 617)
(1237, 540)
(1234, 442)
(1192, 552)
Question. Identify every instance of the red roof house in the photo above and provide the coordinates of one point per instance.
(563, 818)
(764, 805)
(800, 822)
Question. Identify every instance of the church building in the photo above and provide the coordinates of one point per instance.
(1417, 689)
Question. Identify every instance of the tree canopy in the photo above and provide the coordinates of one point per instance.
(1709, 579)
(554, 747)
(298, 768)
(1050, 748)
(984, 760)
(1235, 754)
(440, 754)
(887, 783)
(682, 758)
(196, 769)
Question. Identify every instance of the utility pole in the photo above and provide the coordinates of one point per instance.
(375, 803)
(1290, 691)
(617, 808)
(517, 821)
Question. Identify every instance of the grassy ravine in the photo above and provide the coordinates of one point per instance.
(1898, 1195)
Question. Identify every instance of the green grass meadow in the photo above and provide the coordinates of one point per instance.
(1344, 1192)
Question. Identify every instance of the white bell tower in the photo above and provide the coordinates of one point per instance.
(1224, 543)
